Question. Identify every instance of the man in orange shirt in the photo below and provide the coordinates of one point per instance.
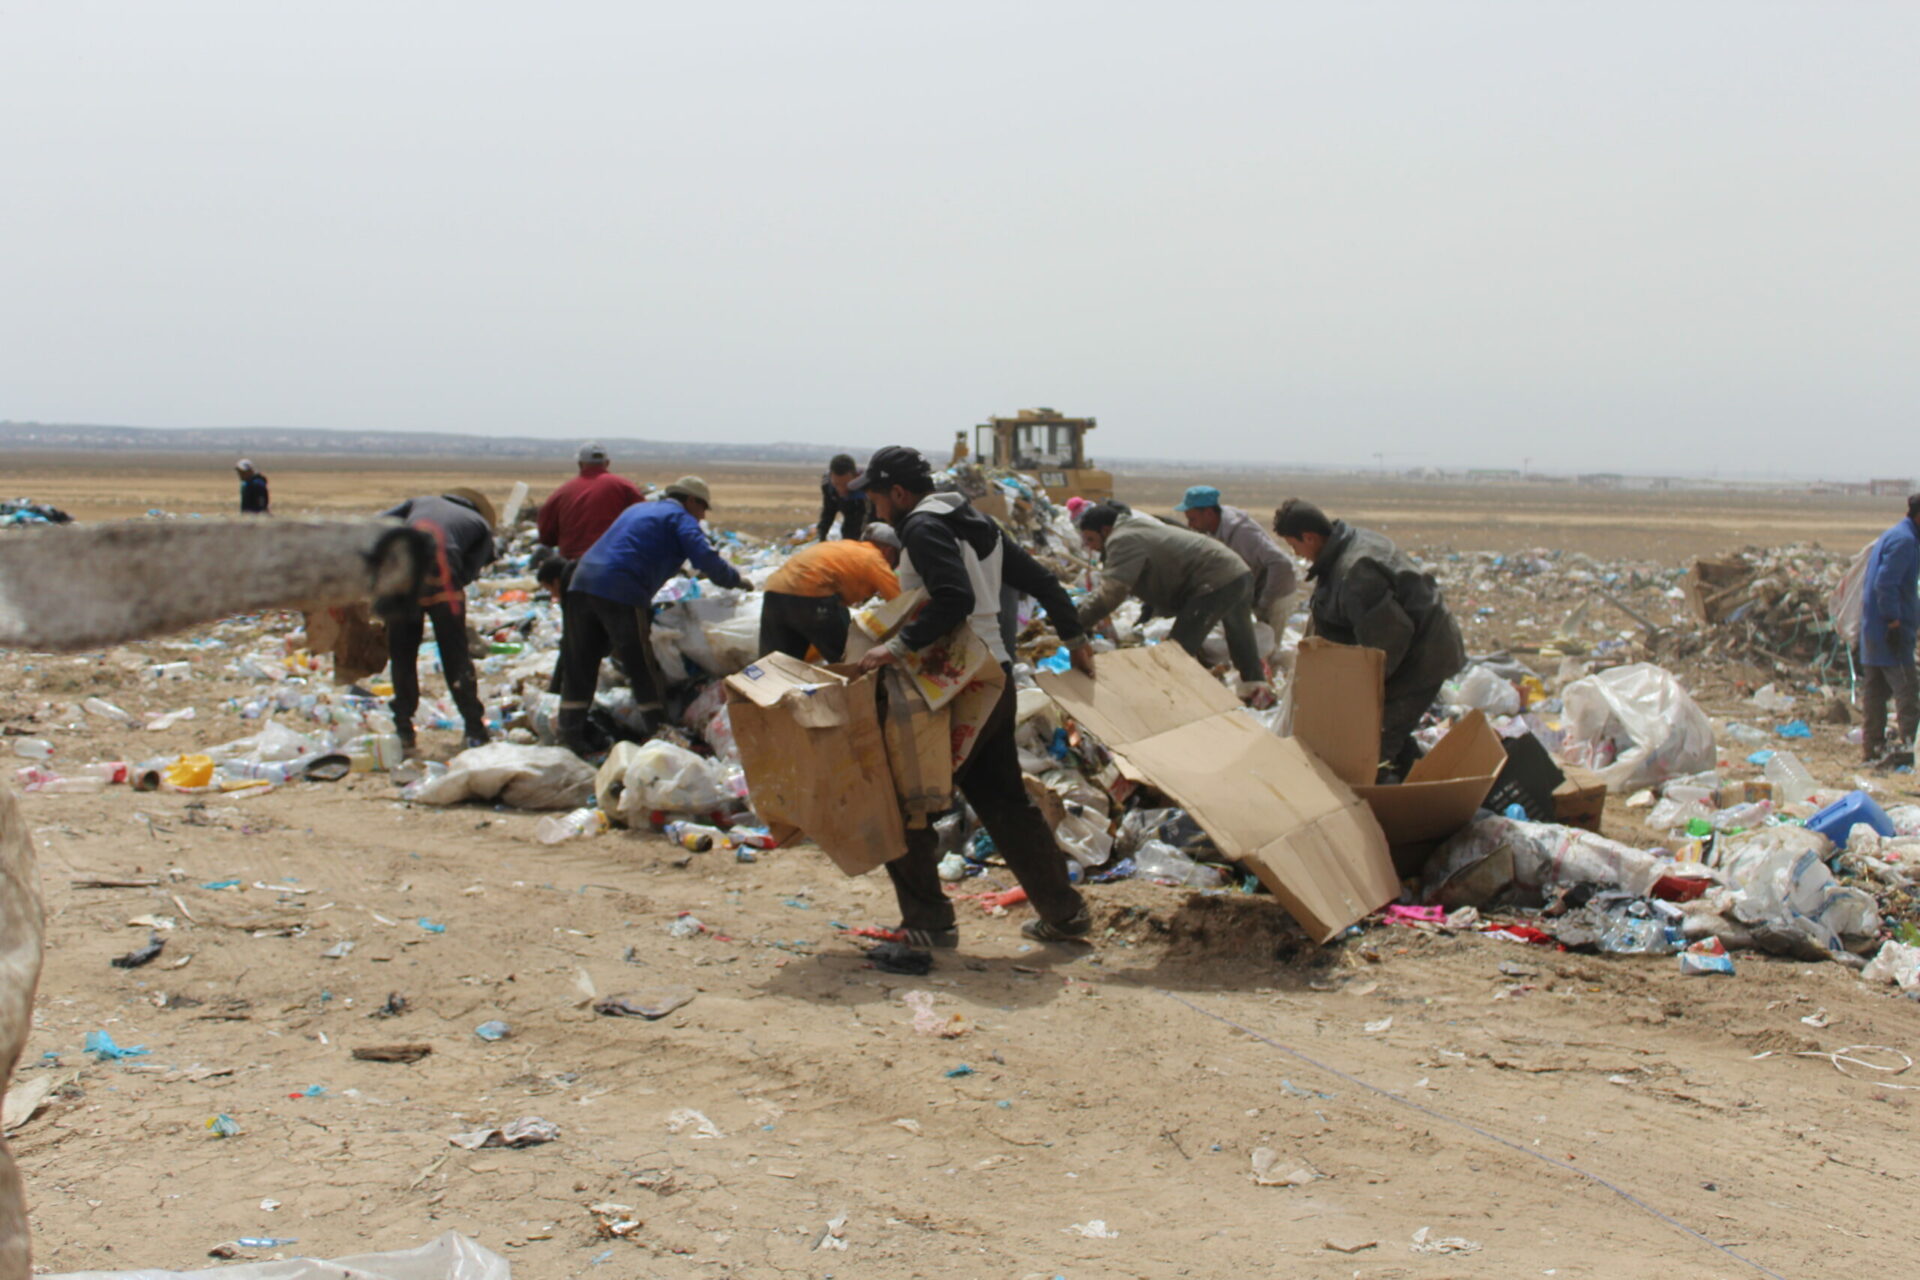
(808, 598)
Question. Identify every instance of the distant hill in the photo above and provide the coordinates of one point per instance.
(283, 441)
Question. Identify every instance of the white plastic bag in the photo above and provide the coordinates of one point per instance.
(524, 777)
(1492, 855)
(1844, 604)
(719, 632)
(1658, 731)
(661, 775)
(1083, 836)
(451, 1257)
(1895, 962)
(1478, 689)
(1783, 881)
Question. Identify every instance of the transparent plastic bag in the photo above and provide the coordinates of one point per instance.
(1656, 729)
(661, 775)
(1083, 836)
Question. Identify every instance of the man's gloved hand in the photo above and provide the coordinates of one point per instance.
(1082, 657)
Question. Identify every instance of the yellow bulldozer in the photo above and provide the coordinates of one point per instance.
(1044, 444)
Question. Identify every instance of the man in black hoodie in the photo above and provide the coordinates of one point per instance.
(461, 525)
(961, 558)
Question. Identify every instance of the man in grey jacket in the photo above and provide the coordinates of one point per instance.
(1174, 571)
(1276, 587)
(1367, 592)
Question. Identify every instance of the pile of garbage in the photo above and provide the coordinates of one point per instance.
(16, 512)
(1766, 608)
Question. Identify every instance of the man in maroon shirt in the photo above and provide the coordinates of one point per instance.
(579, 511)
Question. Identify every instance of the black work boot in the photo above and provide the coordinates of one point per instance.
(1075, 929)
(571, 729)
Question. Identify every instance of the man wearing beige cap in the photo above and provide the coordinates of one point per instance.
(609, 606)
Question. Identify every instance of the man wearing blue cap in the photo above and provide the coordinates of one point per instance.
(1276, 586)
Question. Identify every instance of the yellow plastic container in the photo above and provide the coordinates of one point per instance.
(191, 771)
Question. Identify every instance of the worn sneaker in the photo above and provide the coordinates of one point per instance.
(928, 939)
(1075, 929)
(478, 738)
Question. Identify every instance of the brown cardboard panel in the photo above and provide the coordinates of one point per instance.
(1441, 792)
(1580, 801)
(811, 743)
(1264, 799)
(1338, 697)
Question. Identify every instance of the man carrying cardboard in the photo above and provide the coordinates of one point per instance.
(1196, 579)
(961, 558)
(1276, 587)
(1366, 591)
(807, 599)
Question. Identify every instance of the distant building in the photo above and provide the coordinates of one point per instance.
(1488, 473)
(1889, 488)
(1602, 480)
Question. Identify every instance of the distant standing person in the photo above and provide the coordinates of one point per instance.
(574, 516)
(838, 499)
(461, 524)
(1366, 591)
(1173, 571)
(1889, 619)
(1276, 586)
(253, 489)
(609, 604)
(809, 599)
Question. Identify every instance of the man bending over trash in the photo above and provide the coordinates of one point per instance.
(808, 599)
(1366, 591)
(960, 557)
(1175, 571)
(608, 608)
(461, 525)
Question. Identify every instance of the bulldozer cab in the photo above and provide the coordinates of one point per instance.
(1048, 446)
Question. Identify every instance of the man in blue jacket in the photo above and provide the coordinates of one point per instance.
(1889, 617)
(608, 608)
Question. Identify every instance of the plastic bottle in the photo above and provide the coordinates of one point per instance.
(557, 827)
(1792, 783)
(72, 786)
(101, 707)
(33, 748)
(1158, 860)
(110, 771)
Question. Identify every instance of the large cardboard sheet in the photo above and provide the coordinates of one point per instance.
(1263, 799)
(811, 743)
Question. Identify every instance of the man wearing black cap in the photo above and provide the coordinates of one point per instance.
(961, 558)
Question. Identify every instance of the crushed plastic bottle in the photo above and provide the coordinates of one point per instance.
(1158, 860)
(555, 828)
(1792, 783)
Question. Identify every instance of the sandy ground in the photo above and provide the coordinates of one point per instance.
(1474, 1087)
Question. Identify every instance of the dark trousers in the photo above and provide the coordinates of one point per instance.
(789, 624)
(450, 637)
(1877, 685)
(1399, 717)
(595, 627)
(990, 780)
(1232, 607)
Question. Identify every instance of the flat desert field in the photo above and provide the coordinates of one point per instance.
(1666, 526)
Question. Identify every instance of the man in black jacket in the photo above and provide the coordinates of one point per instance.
(1366, 591)
(961, 558)
(841, 498)
(461, 525)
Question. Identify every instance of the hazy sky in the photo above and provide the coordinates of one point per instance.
(1597, 235)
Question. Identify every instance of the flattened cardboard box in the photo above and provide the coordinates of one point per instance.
(1264, 799)
(811, 744)
(1338, 698)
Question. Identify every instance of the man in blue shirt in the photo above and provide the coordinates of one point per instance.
(1889, 618)
(253, 489)
(608, 608)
